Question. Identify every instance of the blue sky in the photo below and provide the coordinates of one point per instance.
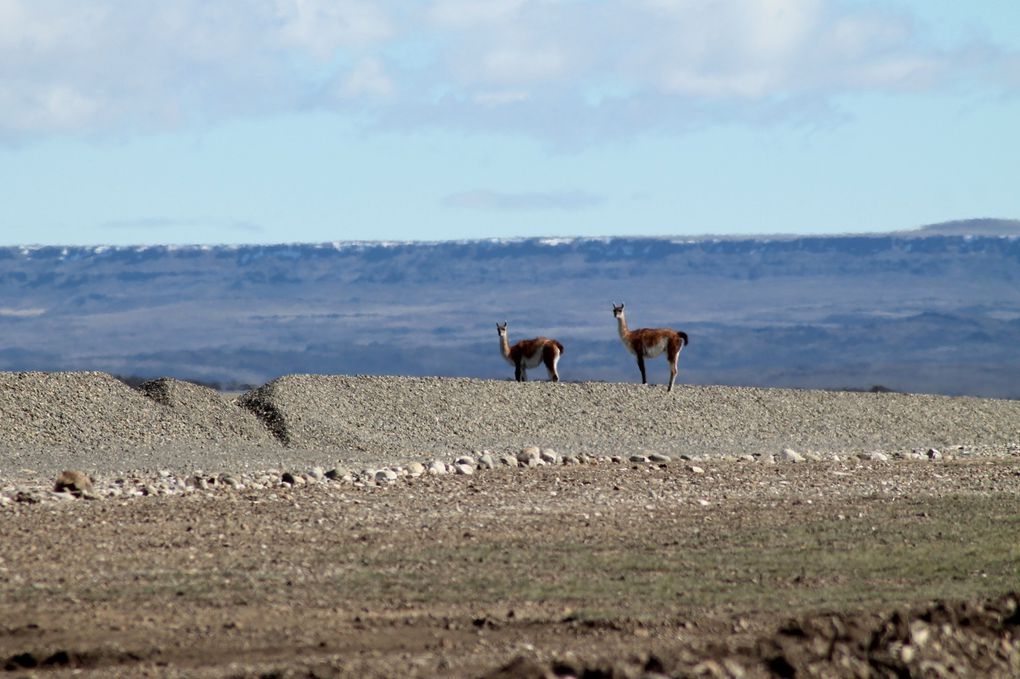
(266, 121)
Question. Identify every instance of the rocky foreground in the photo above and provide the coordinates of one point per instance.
(379, 527)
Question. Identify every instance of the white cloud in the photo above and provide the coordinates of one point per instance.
(551, 68)
(500, 97)
(368, 77)
(472, 13)
(324, 26)
(481, 199)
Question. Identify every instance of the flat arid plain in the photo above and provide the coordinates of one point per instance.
(328, 526)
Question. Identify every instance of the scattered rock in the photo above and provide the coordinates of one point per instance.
(874, 456)
(509, 461)
(74, 482)
(659, 457)
(549, 456)
(527, 455)
(415, 469)
(339, 474)
(790, 455)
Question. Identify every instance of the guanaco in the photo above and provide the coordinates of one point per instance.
(530, 353)
(649, 343)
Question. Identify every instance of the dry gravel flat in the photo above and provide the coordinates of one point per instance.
(729, 569)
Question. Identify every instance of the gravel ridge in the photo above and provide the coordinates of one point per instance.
(92, 421)
(405, 415)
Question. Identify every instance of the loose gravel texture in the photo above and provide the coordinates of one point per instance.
(397, 417)
(94, 422)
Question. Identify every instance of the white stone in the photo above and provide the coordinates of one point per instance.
(465, 469)
(437, 468)
(385, 476)
(550, 456)
(638, 458)
(934, 454)
(659, 457)
(415, 469)
(529, 453)
(790, 455)
(695, 470)
(485, 461)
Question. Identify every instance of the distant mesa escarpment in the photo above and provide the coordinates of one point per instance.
(931, 310)
(985, 226)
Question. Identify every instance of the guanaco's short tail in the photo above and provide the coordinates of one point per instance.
(558, 345)
(683, 336)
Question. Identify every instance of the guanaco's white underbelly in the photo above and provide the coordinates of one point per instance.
(534, 360)
(653, 350)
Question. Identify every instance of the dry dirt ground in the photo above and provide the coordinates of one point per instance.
(729, 569)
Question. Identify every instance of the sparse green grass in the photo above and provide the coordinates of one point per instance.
(788, 561)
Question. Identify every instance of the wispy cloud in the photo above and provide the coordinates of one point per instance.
(21, 313)
(548, 68)
(542, 200)
(169, 223)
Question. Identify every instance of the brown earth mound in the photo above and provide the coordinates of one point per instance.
(942, 640)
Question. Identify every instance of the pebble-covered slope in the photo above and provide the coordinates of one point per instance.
(209, 414)
(395, 417)
(50, 421)
(97, 411)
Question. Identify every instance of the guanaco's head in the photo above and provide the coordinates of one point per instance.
(501, 329)
(618, 310)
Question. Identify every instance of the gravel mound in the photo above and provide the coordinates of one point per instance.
(208, 413)
(91, 420)
(94, 421)
(394, 417)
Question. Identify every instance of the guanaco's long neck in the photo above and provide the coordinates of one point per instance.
(504, 346)
(621, 325)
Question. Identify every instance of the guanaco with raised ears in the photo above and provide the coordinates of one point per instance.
(649, 343)
(530, 353)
